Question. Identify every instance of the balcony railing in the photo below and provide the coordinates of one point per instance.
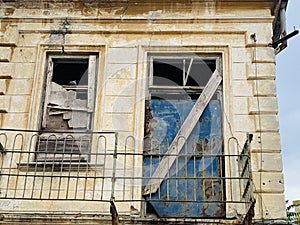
(98, 166)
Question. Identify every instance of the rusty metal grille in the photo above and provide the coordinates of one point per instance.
(108, 168)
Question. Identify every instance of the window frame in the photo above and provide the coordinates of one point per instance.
(91, 87)
(76, 136)
(151, 88)
(163, 88)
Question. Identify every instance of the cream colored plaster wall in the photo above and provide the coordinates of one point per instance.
(126, 34)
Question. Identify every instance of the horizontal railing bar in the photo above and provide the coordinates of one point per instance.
(124, 153)
(108, 177)
(134, 200)
(58, 131)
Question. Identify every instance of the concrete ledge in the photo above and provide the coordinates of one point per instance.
(5, 54)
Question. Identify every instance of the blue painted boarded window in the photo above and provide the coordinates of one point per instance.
(193, 186)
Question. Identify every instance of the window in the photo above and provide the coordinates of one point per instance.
(68, 108)
(176, 82)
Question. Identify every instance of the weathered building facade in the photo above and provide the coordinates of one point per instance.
(140, 112)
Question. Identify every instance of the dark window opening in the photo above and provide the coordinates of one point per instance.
(182, 72)
(167, 72)
(71, 72)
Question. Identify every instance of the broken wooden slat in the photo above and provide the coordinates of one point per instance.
(78, 120)
(51, 113)
(60, 96)
(66, 108)
(183, 134)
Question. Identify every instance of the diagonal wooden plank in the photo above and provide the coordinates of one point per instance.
(183, 134)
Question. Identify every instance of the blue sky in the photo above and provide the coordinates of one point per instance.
(288, 91)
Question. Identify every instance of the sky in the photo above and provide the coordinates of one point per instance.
(288, 85)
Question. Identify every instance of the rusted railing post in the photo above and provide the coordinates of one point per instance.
(113, 209)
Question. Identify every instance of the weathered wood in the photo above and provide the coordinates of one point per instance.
(79, 104)
(183, 134)
(51, 113)
(78, 120)
(60, 96)
(91, 82)
(56, 122)
(48, 91)
(66, 108)
(67, 115)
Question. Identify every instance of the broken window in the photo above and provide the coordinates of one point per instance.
(68, 108)
(176, 82)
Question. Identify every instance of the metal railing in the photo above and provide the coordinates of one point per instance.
(56, 166)
(94, 166)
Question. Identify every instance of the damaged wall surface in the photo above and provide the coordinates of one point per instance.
(95, 90)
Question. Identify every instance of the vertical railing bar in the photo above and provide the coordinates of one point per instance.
(168, 180)
(3, 152)
(177, 175)
(18, 171)
(69, 167)
(95, 166)
(212, 159)
(150, 163)
(133, 170)
(35, 165)
(52, 169)
(195, 171)
(91, 155)
(203, 169)
(45, 163)
(159, 159)
(61, 172)
(27, 164)
(230, 181)
(11, 163)
(249, 140)
(186, 168)
(9, 172)
(220, 160)
(77, 177)
(104, 165)
(86, 174)
(60, 178)
(19, 161)
(113, 183)
(124, 168)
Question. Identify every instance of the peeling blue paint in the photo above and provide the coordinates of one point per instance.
(193, 187)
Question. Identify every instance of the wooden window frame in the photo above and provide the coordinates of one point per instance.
(74, 136)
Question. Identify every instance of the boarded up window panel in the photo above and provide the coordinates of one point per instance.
(193, 186)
